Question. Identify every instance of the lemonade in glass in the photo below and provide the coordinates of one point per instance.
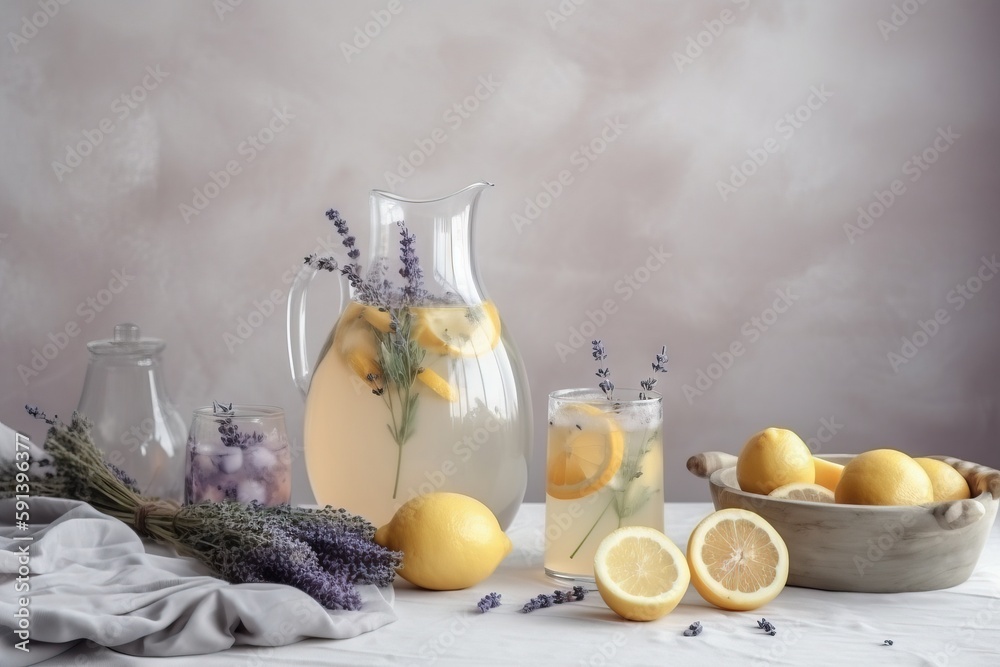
(604, 470)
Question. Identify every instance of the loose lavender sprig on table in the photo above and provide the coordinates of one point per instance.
(323, 552)
(558, 597)
(694, 629)
(490, 601)
(767, 626)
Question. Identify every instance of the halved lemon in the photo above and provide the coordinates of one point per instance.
(738, 560)
(459, 331)
(802, 491)
(438, 384)
(583, 456)
(364, 365)
(641, 575)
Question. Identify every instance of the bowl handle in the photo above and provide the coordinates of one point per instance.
(959, 513)
(980, 478)
(704, 464)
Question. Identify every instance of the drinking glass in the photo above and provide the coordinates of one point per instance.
(604, 470)
(238, 453)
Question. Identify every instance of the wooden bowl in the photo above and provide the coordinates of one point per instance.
(867, 548)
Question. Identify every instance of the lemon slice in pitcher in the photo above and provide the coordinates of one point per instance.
(584, 453)
(458, 331)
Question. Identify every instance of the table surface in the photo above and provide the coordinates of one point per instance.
(957, 626)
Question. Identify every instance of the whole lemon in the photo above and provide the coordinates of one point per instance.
(772, 458)
(884, 477)
(449, 541)
(948, 483)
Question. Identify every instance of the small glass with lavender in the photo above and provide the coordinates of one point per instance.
(238, 453)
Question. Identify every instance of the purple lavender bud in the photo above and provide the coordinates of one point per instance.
(490, 601)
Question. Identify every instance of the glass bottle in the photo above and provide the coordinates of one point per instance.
(134, 422)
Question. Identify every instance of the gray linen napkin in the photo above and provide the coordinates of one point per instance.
(91, 578)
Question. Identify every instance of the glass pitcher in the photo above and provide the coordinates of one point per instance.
(419, 387)
(135, 424)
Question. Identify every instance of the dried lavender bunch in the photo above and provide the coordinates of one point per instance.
(324, 552)
(558, 597)
(490, 601)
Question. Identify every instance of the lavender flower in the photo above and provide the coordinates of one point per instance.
(659, 366)
(693, 630)
(231, 436)
(558, 597)
(491, 601)
(767, 626)
(606, 385)
(414, 291)
(123, 476)
(35, 412)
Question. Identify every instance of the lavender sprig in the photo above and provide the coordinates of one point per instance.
(606, 385)
(767, 627)
(659, 366)
(694, 629)
(558, 597)
(414, 291)
(490, 601)
(232, 437)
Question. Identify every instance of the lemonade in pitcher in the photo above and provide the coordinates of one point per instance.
(418, 387)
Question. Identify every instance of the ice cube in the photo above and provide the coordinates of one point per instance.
(231, 461)
(250, 490)
(261, 458)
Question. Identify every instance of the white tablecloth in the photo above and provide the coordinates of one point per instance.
(958, 626)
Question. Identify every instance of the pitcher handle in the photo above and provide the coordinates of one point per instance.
(298, 356)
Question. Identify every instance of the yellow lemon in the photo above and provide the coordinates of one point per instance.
(948, 483)
(738, 560)
(586, 448)
(800, 491)
(378, 318)
(641, 575)
(827, 473)
(772, 458)
(884, 477)
(458, 331)
(449, 541)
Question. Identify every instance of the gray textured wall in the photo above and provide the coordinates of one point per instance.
(887, 89)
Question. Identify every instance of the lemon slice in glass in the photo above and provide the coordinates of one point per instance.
(458, 331)
(585, 451)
